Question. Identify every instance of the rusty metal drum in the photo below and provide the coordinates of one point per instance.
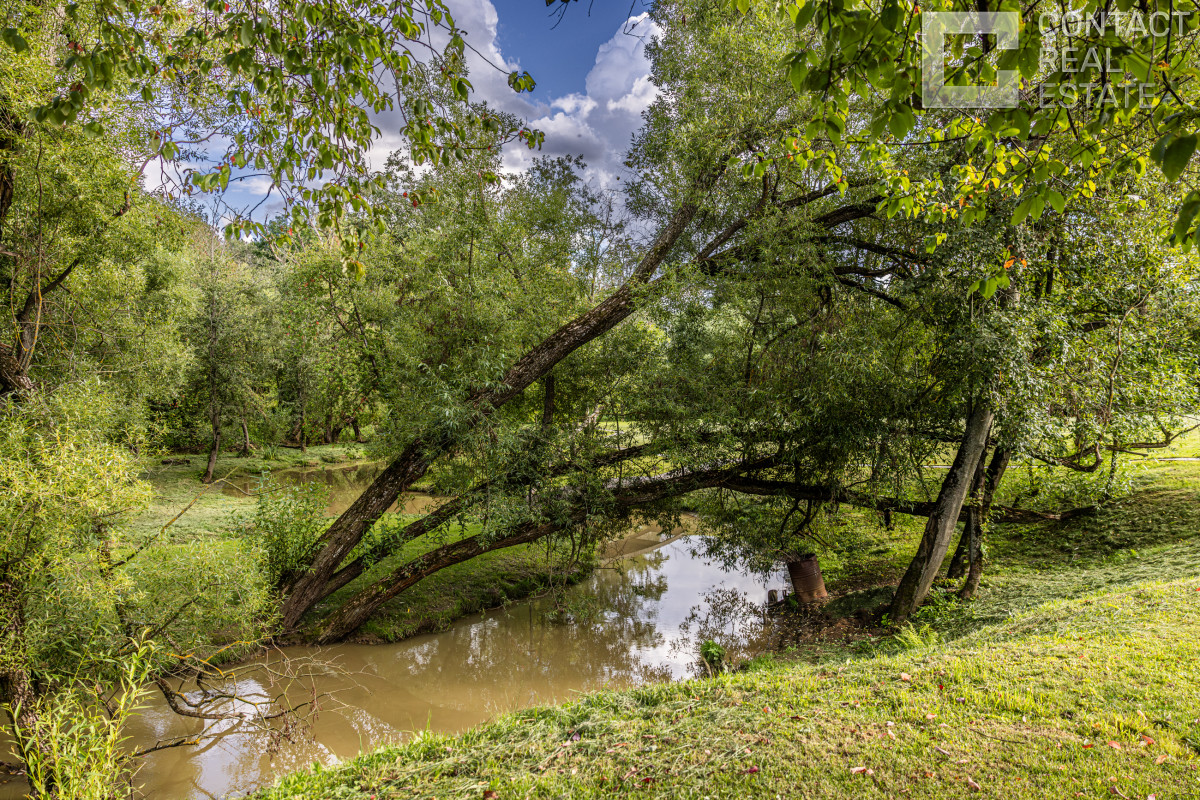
(805, 573)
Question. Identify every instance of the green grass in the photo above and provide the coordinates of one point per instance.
(1075, 698)
(1076, 673)
(216, 512)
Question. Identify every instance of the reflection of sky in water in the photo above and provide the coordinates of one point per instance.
(649, 614)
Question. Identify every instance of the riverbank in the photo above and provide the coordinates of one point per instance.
(1074, 674)
(216, 516)
(1095, 695)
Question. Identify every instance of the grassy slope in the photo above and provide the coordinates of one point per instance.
(1081, 696)
(1075, 674)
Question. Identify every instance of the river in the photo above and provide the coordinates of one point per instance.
(640, 617)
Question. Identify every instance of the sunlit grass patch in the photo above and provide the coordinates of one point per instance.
(1081, 696)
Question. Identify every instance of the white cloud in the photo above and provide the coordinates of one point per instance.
(597, 124)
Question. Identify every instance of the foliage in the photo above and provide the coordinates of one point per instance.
(287, 522)
(713, 656)
(289, 92)
(76, 748)
(864, 60)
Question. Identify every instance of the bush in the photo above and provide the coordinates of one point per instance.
(287, 523)
(74, 747)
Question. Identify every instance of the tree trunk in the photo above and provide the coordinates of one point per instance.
(12, 374)
(548, 400)
(351, 616)
(939, 529)
(958, 562)
(807, 582)
(215, 417)
(354, 427)
(962, 557)
(348, 530)
(995, 472)
(245, 436)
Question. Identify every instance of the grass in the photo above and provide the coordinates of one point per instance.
(217, 515)
(1090, 697)
(1076, 673)
(216, 511)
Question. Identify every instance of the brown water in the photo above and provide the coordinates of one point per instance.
(638, 618)
(343, 484)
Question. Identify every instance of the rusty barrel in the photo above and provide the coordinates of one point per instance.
(805, 573)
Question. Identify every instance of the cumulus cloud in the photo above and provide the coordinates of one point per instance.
(598, 123)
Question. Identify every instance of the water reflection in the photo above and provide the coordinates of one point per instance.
(639, 618)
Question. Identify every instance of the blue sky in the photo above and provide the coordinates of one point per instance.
(592, 75)
(559, 57)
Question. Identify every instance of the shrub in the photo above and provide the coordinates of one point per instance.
(287, 523)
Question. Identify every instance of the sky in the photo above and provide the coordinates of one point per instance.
(558, 49)
(592, 75)
(592, 84)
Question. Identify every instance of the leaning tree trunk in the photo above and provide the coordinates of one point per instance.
(411, 464)
(943, 519)
(351, 615)
(962, 554)
(215, 418)
(995, 472)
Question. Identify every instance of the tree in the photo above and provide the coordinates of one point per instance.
(816, 346)
(225, 338)
(1071, 113)
(209, 93)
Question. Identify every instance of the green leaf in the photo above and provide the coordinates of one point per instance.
(797, 72)
(1057, 201)
(14, 40)
(1177, 155)
(1022, 211)
(1187, 213)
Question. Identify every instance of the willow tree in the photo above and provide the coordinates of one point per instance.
(710, 209)
(800, 332)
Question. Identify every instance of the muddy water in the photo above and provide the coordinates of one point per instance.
(343, 484)
(638, 618)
